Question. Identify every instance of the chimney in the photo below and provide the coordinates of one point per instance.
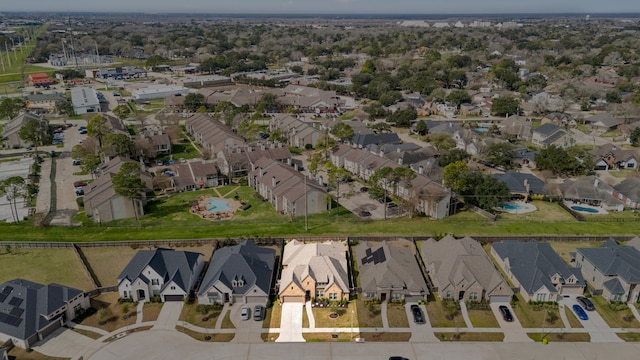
(398, 150)
(400, 161)
(262, 147)
(289, 161)
(596, 182)
(295, 167)
(261, 172)
(421, 170)
(273, 181)
(381, 154)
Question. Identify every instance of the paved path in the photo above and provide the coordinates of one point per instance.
(634, 310)
(291, 323)
(598, 329)
(43, 201)
(312, 319)
(169, 316)
(419, 332)
(385, 320)
(63, 343)
(513, 331)
(465, 314)
(223, 313)
(563, 315)
(139, 312)
(88, 328)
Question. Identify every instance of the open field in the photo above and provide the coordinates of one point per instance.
(44, 266)
(108, 262)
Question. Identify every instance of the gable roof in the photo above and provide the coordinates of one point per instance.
(629, 187)
(612, 259)
(27, 307)
(534, 263)
(247, 261)
(383, 265)
(589, 188)
(176, 266)
(458, 262)
(325, 262)
(547, 129)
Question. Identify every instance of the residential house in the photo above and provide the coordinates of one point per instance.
(426, 196)
(538, 272)
(590, 190)
(461, 270)
(297, 132)
(389, 271)
(11, 130)
(559, 119)
(195, 175)
(238, 274)
(309, 99)
(603, 121)
(85, 100)
(168, 274)
(448, 128)
(339, 153)
(29, 312)
(211, 134)
(611, 269)
(550, 134)
(103, 204)
(468, 109)
(153, 143)
(409, 157)
(289, 191)
(237, 162)
(44, 102)
(628, 191)
(610, 157)
(238, 97)
(3, 354)
(522, 156)
(516, 127)
(314, 270)
(521, 185)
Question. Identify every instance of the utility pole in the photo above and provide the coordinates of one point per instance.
(306, 208)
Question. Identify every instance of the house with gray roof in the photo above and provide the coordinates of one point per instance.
(537, 270)
(11, 130)
(168, 274)
(3, 354)
(29, 312)
(211, 134)
(590, 190)
(550, 134)
(516, 127)
(603, 121)
(628, 191)
(238, 274)
(314, 270)
(521, 185)
(389, 271)
(612, 269)
(610, 156)
(461, 270)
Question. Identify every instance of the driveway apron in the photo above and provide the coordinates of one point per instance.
(291, 323)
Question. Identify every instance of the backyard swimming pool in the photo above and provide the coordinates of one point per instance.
(217, 205)
(585, 209)
(516, 207)
(513, 206)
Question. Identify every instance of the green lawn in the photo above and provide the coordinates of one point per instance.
(483, 319)
(44, 266)
(397, 316)
(630, 337)
(531, 316)
(191, 315)
(206, 337)
(364, 317)
(571, 316)
(615, 319)
(272, 317)
(438, 315)
(323, 320)
(560, 337)
(474, 336)
(564, 248)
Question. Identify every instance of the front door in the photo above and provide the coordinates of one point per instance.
(383, 296)
(461, 295)
(307, 295)
(141, 294)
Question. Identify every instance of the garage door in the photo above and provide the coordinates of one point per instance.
(51, 328)
(173, 298)
(299, 299)
(256, 300)
(500, 299)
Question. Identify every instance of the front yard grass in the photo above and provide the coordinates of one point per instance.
(483, 319)
(571, 316)
(44, 266)
(536, 316)
(321, 316)
(272, 317)
(88, 333)
(109, 314)
(269, 337)
(200, 315)
(327, 337)
(629, 337)
(206, 337)
(473, 336)
(150, 311)
(226, 321)
(385, 336)
(397, 316)
(560, 337)
(367, 315)
(615, 319)
(441, 316)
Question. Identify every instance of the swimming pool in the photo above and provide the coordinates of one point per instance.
(217, 205)
(585, 209)
(481, 130)
(513, 206)
(516, 207)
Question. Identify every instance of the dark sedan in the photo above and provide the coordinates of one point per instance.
(418, 316)
(585, 303)
(506, 313)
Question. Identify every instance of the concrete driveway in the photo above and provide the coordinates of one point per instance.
(420, 332)
(169, 315)
(247, 331)
(291, 323)
(513, 331)
(64, 343)
(598, 329)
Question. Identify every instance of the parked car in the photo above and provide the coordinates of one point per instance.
(418, 316)
(258, 313)
(245, 313)
(506, 313)
(582, 315)
(79, 191)
(80, 184)
(586, 303)
(77, 162)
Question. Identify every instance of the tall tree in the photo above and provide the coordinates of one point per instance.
(98, 127)
(505, 105)
(34, 131)
(117, 145)
(336, 176)
(127, 183)
(10, 107)
(267, 103)
(14, 188)
(193, 101)
(421, 127)
(342, 131)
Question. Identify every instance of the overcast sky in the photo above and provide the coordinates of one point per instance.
(328, 6)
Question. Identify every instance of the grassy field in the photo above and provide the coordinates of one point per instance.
(397, 316)
(614, 319)
(438, 316)
(44, 266)
(109, 315)
(191, 315)
(206, 337)
(546, 211)
(108, 262)
(483, 319)
(474, 336)
(561, 337)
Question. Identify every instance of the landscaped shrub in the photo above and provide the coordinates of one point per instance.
(618, 306)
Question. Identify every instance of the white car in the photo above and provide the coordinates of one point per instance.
(245, 313)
